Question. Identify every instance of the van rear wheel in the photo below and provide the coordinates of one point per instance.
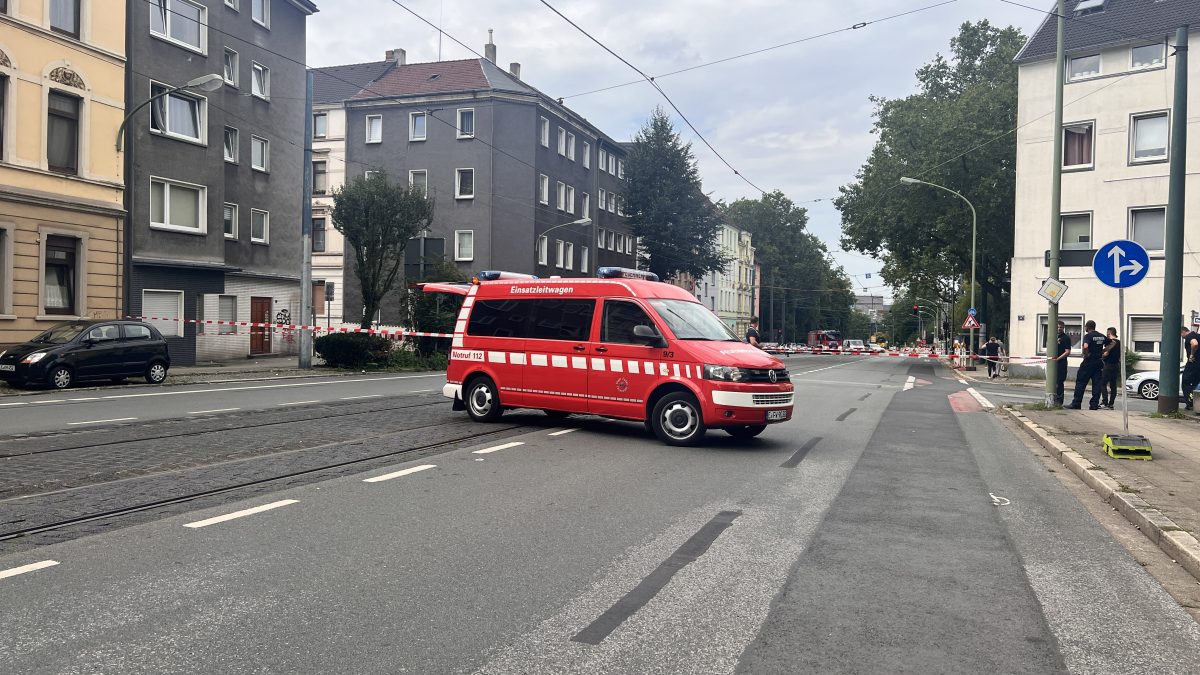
(677, 419)
(749, 431)
(483, 400)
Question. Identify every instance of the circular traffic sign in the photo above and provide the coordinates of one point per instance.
(1121, 263)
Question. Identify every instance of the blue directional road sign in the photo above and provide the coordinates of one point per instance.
(1121, 263)
(971, 312)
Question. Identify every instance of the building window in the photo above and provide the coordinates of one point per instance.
(558, 253)
(544, 132)
(543, 189)
(1145, 335)
(562, 196)
(231, 145)
(570, 199)
(464, 183)
(583, 259)
(612, 202)
(1083, 67)
(587, 155)
(3, 108)
(167, 306)
(620, 168)
(1148, 56)
(416, 126)
(464, 245)
(260, 154)
(231, 67)
(318, 235)
(562, 141)
(374, 128)
(61, 274)
(570, 253)
(260, 11)
(227, 314)
(612, 164)
(612, 240)
(177, 115)
(230, 218)
(1148, 138)
(232, 4)
(602, 156)
(62, 133)
(177, 206)
(600, 239)
(1077, 145)
(420, 181)
(5, 264)
(320, 177)
(320, 125)
(601, 199)
(260, 85)
(183, 22)
(1077, 232)
(543, 246)
(367, 174)
(585, 205)
(571, 147)
(466, 123)
(1147, 227)
(64, 17)
(260, 226)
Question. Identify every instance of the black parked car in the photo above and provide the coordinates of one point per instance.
(88, 350)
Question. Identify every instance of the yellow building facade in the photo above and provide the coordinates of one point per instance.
(62, 93)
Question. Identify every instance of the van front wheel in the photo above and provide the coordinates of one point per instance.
(483, 401)
(677, 419)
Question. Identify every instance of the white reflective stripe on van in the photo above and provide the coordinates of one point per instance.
(597, 364)
(662, 370)
(579, 363)
(633, 367)
(616, 366)
(537, 359)
(457, 342)
(468, 301)
(497, 357)
(558, 361)
(517, 358)
(460, 326)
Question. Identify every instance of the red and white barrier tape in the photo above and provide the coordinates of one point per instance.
(293, 326)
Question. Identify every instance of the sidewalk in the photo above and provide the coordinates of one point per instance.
(1161, 496)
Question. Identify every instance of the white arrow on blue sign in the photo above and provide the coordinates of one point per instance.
(1121, 263)
(971, 312)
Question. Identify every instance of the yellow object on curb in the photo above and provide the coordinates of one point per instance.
(1127, 447)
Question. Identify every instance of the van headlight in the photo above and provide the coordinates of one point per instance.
(34, 357)
(725, 373)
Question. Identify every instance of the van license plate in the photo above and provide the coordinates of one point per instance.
(776, 415)
(6, 366)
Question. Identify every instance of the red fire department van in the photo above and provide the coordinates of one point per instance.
(623, 345)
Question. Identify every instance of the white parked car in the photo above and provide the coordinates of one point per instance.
(1145, 384)
(854, 345)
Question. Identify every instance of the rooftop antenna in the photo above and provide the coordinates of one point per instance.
(441, 18)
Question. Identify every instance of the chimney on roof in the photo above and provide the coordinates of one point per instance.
(489, 50)
(397, 55)
(514, 69)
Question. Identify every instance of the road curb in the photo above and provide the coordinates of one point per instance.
(1158, 528)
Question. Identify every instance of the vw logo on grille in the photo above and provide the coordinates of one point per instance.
(772, 376)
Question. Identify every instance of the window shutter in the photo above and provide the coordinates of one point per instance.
(164, 305)
(1145, 329)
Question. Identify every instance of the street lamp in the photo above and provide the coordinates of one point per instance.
(537, 242)
(210, 82)
(974, 222)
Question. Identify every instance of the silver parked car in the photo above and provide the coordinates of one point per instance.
(1145, 384)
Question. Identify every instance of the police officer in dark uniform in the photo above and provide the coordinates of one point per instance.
(752, 333)
(1112, 370)
(1191, 367)
(1063, 350)
(1089, 372)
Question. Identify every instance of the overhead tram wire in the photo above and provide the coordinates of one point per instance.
(861, 24)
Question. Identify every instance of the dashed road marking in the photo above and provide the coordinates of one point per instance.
(805, 372)
(495, 448)
(564, 431)
(32, 567)
(296, 403)
(205, 412)
(354, 398)
(240, 514)
(397, 474)
(909, 383)
(89, 398)
(115, 419)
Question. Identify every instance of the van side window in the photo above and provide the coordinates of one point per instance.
(562, 319)
(500, 318)
(619, 320)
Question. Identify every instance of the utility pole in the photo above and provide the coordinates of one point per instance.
(306, 310)
(1052, 366)
(1168, 363)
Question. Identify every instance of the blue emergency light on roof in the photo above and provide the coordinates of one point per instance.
(497, 275)
(625, 273)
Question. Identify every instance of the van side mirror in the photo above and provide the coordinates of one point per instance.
(650, 335)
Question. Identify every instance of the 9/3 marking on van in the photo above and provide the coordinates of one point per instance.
(467, 355)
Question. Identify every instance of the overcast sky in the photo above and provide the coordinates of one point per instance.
(795, 118)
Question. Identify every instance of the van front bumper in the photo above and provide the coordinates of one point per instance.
(734, 408)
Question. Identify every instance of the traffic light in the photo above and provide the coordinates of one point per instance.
(916, 309)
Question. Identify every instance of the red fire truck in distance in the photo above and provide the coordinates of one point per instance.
(824, 339)
(622, 345)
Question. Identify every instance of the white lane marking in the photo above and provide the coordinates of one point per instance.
(217, 410)
(4, 405)
(979, 397)
(421, 391)
(494, 448)
(999, 501)
(564, 431)
(115, 419)
(297, 403)
(91, 398)
(397, 474)
(354, 398)
(32, 567)
(908, 384)
(240, 514)
(817, 370)
(961, 381)
(849, 382)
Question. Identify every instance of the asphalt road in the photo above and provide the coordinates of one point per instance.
(891, 526)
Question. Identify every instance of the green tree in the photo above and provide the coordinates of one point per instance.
(678, 225)
(434, 312)
(377, 218)
(955, 131)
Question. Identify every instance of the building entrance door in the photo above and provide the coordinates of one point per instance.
(260, 337)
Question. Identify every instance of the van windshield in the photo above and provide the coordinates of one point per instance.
(692, 321)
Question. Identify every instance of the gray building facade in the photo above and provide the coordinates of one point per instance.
(214, 173)
(510, 169)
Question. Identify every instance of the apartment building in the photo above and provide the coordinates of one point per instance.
(62, 98)
(511, 170)
(1118, 94)
(730, 293)
(214, 171)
